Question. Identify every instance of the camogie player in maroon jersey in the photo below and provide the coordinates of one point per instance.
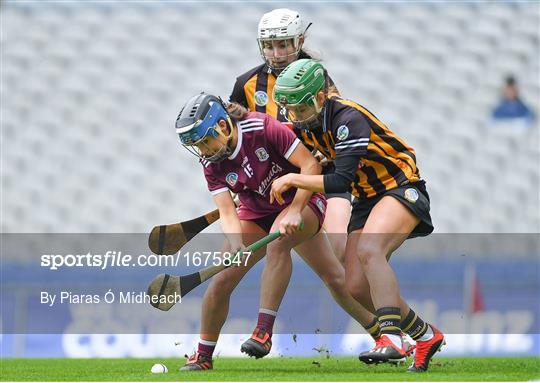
(244, 152)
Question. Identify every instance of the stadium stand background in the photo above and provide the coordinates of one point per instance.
(90, 92)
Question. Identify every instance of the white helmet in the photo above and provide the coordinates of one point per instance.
(281, 24)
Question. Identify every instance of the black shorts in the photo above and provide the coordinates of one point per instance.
(414, 196)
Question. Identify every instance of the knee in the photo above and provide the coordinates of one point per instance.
(335, 281)
(278, 253)
(220, 287)
(369, 253)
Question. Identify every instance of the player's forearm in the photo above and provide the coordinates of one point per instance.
(231, 226)
(313, 183)
(302, 196)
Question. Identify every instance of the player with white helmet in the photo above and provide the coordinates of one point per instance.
(281, 36)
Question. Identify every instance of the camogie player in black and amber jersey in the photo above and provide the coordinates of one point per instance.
(391, 203)
(281, 35)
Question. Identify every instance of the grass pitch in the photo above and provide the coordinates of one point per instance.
(270, 369)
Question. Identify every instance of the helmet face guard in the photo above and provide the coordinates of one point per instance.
(278, 62)
(296, 90)
(198, 122)
(277, 27)
(218, 155)
(306, 115)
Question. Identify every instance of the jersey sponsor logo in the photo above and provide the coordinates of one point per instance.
(260, 97)
(411, 195)
(262, 154)
(342, 132)
(320, 205)
(263, 187)
(232, 179)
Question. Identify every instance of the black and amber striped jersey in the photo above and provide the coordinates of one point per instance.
(254, 88)
(349, 129)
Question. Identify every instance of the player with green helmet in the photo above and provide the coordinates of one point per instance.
(392, 203)
(297, 90)
(281, 37)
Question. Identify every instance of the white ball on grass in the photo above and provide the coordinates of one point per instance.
(159, 368)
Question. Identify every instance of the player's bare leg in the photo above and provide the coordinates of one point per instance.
(388, 225)
(336, 221)
(274, 281)
(357, 282)
(215, 306)
(317, 253)
(358, 286)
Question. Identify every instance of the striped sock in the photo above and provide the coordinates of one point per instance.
(266, 320)
(414, 325)
(389, 320)
(206, 347)
(373, 329)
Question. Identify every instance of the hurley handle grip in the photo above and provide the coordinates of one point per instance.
(263, 242)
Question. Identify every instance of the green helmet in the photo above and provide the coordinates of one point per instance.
(299, 82)
(298, 85)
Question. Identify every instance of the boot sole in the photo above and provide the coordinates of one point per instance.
(252, 351)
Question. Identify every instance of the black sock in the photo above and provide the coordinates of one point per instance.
(373, 329)
(389, 320)
(414, 325)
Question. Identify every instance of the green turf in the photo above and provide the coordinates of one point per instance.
(278, 369)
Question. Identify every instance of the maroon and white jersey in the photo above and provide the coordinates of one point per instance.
(261, 155)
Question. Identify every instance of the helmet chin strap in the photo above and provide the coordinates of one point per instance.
(225, 150)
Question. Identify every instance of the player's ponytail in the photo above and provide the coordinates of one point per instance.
(236, 112)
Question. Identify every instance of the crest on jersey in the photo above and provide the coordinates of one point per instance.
(261, 98)
(232, 179)
(342, 132)
(320, 205)
(411, 195)
(262, 154)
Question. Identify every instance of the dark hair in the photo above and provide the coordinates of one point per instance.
(236, 112)
(307, 54)
(510, 80)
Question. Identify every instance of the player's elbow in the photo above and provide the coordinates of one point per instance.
(311, 166)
